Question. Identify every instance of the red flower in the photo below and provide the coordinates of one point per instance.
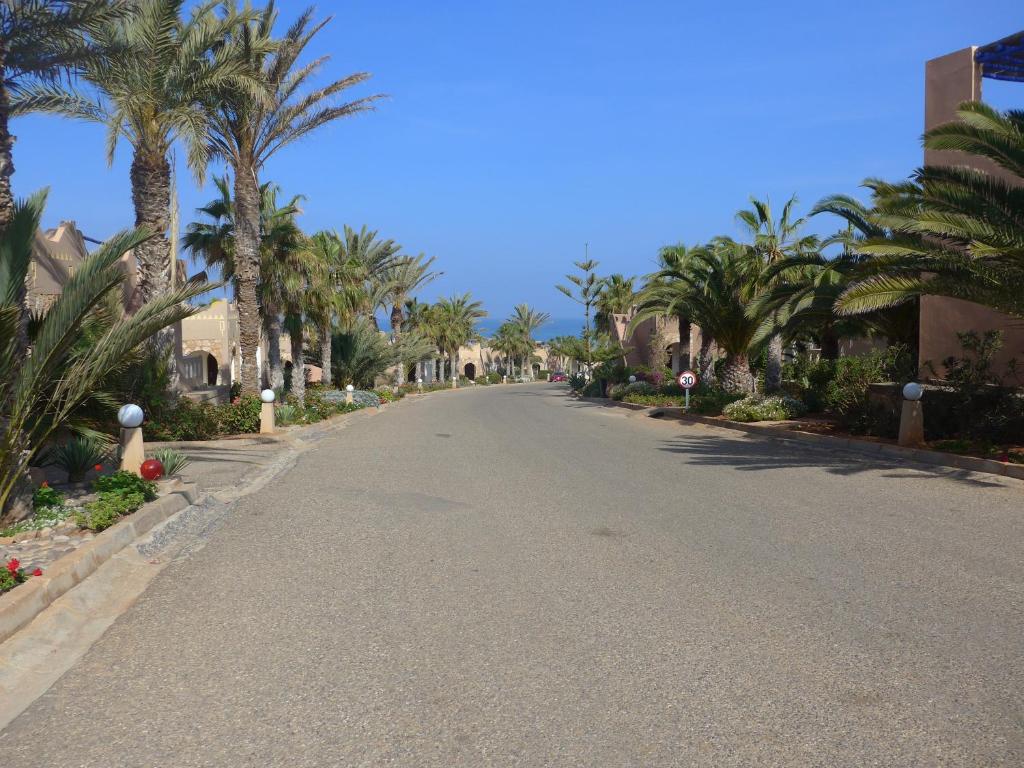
(37, 572)
(98, 467)
(13, 565)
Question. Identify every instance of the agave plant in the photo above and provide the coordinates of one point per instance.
(41, 393)
(76, 457)
(173, 461)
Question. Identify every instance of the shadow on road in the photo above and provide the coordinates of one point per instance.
(757, 454)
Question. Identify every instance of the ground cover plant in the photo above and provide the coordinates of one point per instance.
(118, 495)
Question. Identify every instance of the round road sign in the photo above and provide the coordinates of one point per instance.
(687, 379)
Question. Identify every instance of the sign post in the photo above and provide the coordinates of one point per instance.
(687, 380)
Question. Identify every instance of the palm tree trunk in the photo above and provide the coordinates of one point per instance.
(455, 368)
(829, 344)
(7, 210)
(396, 331)
(773, 365)
(298, 367)
(684, 338)
(705, 360)
(325, 353)
(274, 363)
(151, 197)
(247, 274)
(736, 376)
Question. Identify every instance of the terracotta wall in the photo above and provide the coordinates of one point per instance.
(949, 81)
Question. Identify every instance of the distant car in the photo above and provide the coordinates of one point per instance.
(558, 376)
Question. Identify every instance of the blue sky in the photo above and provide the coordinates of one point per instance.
(515, 132)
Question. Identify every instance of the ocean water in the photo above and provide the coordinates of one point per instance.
(563, 326)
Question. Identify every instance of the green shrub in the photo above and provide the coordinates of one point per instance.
(286, 414)
(241, 417)
(708, 401)
(45, 496)
(593, 389)
(846, 396)
(663, 400)
(757, 407)
(494, 377)
(577, 382)
(110, 506)
(618, 391)
(76, 457)
(125, 483)
(185, 420)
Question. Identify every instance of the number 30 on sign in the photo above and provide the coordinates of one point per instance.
(687, 379)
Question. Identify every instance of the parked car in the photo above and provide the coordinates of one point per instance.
(558, 376)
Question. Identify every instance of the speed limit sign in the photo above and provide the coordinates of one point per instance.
(687, 379)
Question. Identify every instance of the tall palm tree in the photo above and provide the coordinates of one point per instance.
(326, 303)
(952, 231)
(456, 324)
(41, 392)
(508, 341)
(246, 130)
(618, 294)
(281, 256)
(528, 320)
(404, 278)
(773, 240)
(152, 86)
(45, 43)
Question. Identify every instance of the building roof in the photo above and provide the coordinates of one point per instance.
(1003, 59)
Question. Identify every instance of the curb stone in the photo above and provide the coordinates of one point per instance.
(921, 455)
(23, 603)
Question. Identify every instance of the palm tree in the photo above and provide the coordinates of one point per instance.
(586, 287)
(326, 303)
(528, 320)
(456, 323)
(618, 294)
(714, 286)
(247, 129)
(281, 256)
(45, 41)
(951, 231)
(152, 85)
(406, 276)
(772, 241)
(508, 341)
(41, 392)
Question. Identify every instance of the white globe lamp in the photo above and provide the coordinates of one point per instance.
(268, 396)
(349, 388)
(913, 391)
(130, 416)
(632, 379)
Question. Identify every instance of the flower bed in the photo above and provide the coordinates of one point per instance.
(13, 574)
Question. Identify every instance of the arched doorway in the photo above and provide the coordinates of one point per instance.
(536, 370)
(470, 371)
(212, 370)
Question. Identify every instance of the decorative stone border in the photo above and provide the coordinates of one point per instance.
(23, 603)
(773, 429)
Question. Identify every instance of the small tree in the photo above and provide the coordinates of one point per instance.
(585, 290)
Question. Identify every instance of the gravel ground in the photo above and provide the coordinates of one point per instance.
(507, 577)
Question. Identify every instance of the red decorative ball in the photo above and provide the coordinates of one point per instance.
(151, 469)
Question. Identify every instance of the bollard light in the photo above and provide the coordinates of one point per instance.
(913, 391)
(130, 416)
(268, 395)
(632, 379)
(349, 388)
(419, 381)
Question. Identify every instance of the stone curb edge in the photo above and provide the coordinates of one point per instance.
(922, 455)
(22, 604)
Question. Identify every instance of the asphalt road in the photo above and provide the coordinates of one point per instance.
(506, 577)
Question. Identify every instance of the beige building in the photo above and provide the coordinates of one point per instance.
(951, 80)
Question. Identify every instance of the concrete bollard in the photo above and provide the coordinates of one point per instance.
(133, 447)
(455, 382)
(349, 389)
(419, 385)
(268, 418)
(912, 416)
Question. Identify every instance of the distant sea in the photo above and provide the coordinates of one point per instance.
(564, 326)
